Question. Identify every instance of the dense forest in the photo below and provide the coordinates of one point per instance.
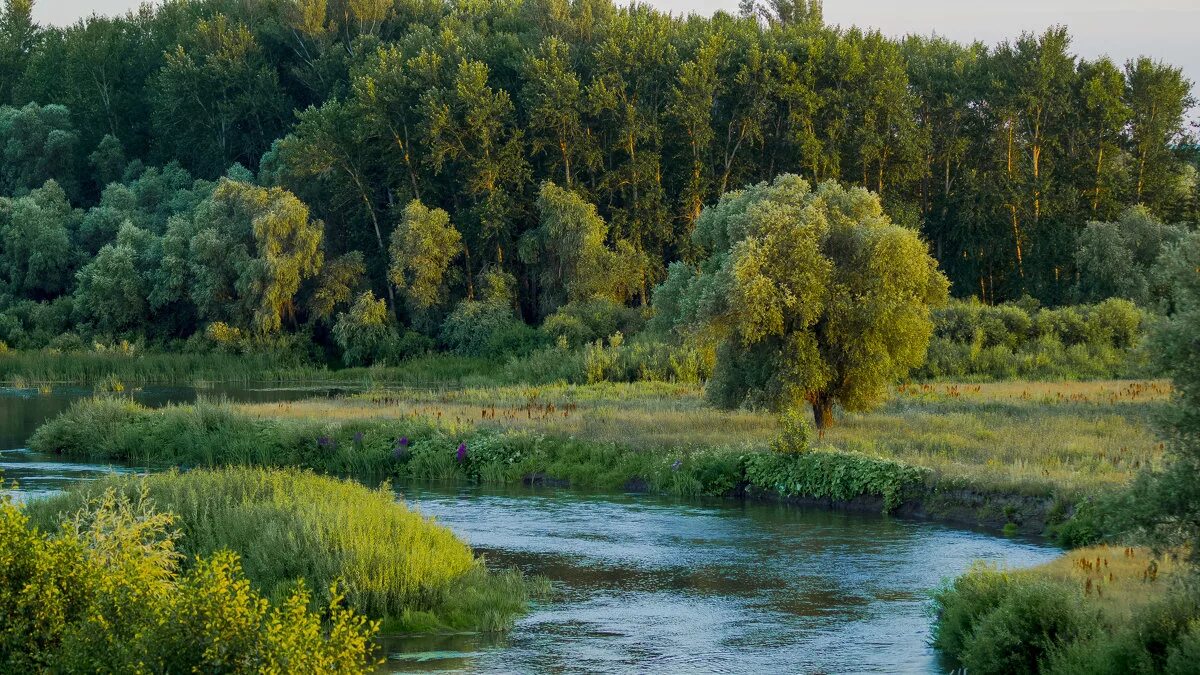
(286, 172)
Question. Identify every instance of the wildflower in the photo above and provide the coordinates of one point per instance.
(327, 442)
(462, 452)
(401, 449)
(677, 465)
(358, 438)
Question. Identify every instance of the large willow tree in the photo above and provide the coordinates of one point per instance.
(813, 296)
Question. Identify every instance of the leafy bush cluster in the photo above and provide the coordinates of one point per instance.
(990, 621)
(972, 340)
(836, 476)
(110, 592)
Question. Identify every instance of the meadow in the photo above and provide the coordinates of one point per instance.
(1020, 455)
(1024, 437)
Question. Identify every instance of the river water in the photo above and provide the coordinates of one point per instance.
(649, 584)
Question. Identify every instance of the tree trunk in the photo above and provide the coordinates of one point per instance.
(822, 407)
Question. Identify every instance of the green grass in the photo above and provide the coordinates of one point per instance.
(1030, 438)
(391, 562)
(1021, 454)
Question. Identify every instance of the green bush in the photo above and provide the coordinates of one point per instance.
(474, 327)
(989, 621)
(833, 475)
(582, 322)
(366, 333)
(289, 526)
(973, 341)
(106, 593)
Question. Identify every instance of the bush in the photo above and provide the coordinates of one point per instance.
(1032, 620)
(475, 328)
(289, 527)
(795, 431)
(106, 594)
(366, 333)
(582, 322)
(974, 341)
(833, 475)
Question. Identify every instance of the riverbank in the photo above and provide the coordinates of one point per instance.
(1102, 609)
(1011, 456)
(286, 526)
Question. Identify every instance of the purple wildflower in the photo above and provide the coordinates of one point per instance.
(327, 442)
(462, 452)
(358, 437)
(401, 449)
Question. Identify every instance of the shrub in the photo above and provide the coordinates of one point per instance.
(1031, 621)
(290, 526)
(795, 431)
(365, 334)
(833, 475)
(973, 341)
(106, 594)
(582, 322)
(472, 328)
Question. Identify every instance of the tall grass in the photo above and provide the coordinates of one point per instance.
(1095, 610)
(391, 562)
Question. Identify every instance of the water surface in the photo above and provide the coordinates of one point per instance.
(652, 584)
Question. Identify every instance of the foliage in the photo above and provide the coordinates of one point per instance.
(289, 528)
(573, 150)
(993, 623)
(106, 592)
(833, 476)
(1169, 500)
(1096, 610)
(481, 328)
(365, 333)
(583, 322)
(422, 248)
(814, 296)
(972, 340)
(1119, 259)
(569, 244)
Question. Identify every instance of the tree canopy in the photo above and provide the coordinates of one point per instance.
(813, 295)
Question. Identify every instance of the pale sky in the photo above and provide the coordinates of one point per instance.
(1122, 29)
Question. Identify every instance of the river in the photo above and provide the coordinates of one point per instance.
(646, 583)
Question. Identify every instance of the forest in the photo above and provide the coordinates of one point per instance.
(651, 317)
(360, 181)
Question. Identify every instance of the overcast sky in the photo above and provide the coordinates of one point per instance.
(1123, 29)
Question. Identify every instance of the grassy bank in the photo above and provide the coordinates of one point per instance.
(1018, 454)
(109, 592)
(1094, 610)
(288, 526)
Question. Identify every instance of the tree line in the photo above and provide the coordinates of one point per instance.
(244, 167)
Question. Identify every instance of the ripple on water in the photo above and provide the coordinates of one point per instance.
(651, 584)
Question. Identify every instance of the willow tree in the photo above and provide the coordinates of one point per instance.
(811, 295)
(423, 246)
(249, 250)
